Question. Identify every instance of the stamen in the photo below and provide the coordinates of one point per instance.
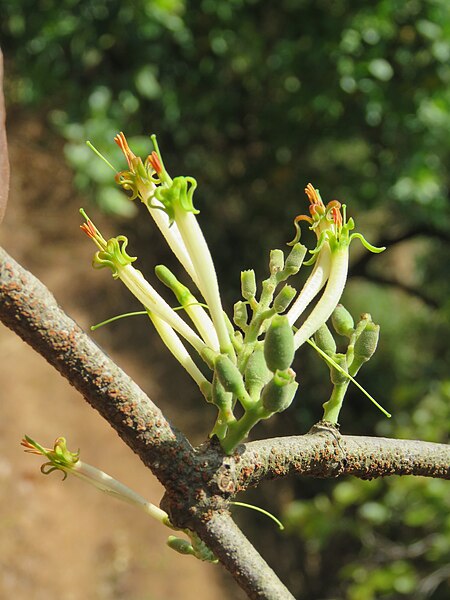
(312, 194)
(334, 207)
(121, 141)
(29, 447)
(89, 229)
(155, 162)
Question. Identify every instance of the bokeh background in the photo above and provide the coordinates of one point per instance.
(253, 98)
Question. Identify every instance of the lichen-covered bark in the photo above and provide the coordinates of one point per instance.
(239, 556)
(324, 452)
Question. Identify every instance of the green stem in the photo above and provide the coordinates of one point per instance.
(332, 407)
(239, 430)
(225, 418)
(332, 362)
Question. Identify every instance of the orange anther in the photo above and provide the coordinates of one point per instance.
(313, 196)
(155, 162)
(89, 229)
(336, 215)
(121, 141)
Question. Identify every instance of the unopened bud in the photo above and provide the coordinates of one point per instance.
(366, 343)
(229, 375)
(256, 373)
(337, 376)
(180, 545)
(284, 298)
(166, 277)
(276, 262)
(279, 392)
(342, 321)
(325, 340)
(279, 347)
(248, 284)
(295, 259)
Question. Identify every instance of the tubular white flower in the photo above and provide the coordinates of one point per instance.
(172, 236)
(330, 297)
(190, 305)
(60, 458)
(203, 264)
(149, 297)
(204, 325)
(313, 284)
(112, 487)
(176, 347)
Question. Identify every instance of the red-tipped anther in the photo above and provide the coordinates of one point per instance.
(121, 141)
(89, 229)
(29, 447)
(336, 213)
(155, 162)
(313, 196)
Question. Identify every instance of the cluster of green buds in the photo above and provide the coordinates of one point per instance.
(60, 458)
(242, 366)
(362, 341)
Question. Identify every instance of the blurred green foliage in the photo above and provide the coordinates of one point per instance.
(255, 98)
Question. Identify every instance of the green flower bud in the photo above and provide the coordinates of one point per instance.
(256, 373)
(337, 377)
(165, 275)
(295, 259)
(180, 545)
(325, 340)
(279, 347)
(229, 375)
(342, 321)
(366, 343)
(221, 398)
(240, 315)
(248, 284)
(276, 261)
(279, 392)
(284, 298)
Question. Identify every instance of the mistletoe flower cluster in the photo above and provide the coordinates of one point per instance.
(247, 359)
